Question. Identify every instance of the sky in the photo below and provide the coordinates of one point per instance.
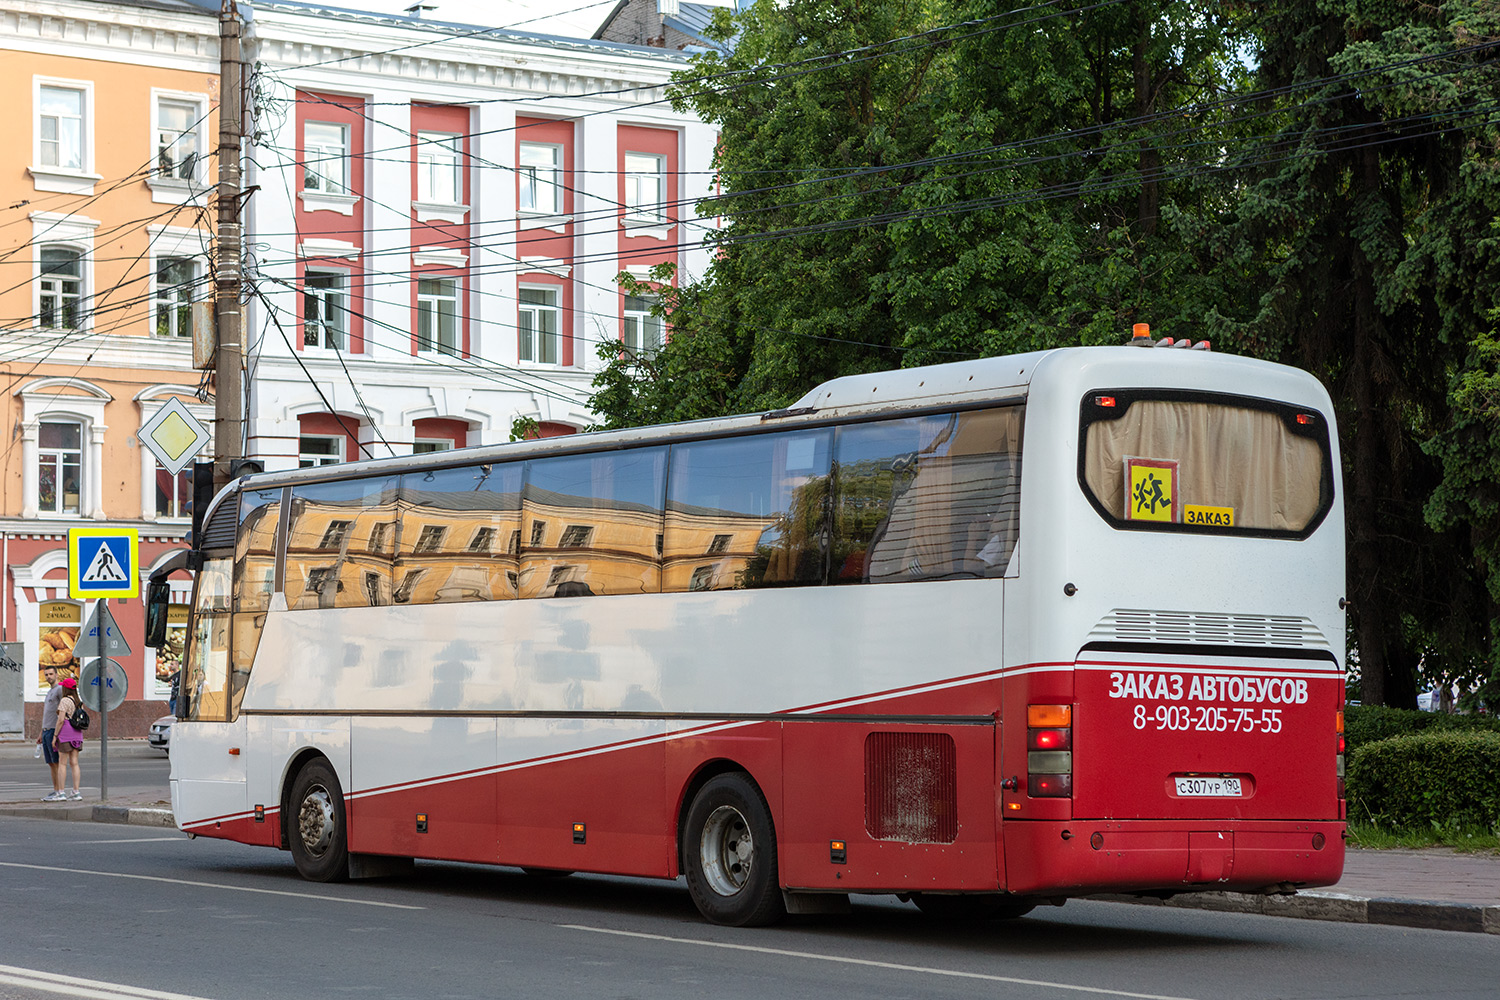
(569, 18)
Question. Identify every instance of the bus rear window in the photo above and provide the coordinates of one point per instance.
(1223, 464)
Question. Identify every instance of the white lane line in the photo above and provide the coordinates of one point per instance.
(213, 885)
(92, 989)
(134, 840)
(893, 966)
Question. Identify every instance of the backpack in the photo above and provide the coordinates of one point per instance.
(79, 720)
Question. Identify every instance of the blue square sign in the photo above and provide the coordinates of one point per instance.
(103, 562)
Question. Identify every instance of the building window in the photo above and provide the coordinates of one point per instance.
(60, 467)
(439, 168)
(380, 536)
(373, 590)
(538, 173)
(318, 449)
(326, 158)
(643, 330)
(538, 325)
(483, 541)
(60, 128)
(703, 578)
(59, 306)
(176, 278)
(576, 536)
(514, 548)
(437, 315)
(324, 317)
(177, 152)
(719, 545)
(334, 534)
(431, 539)
(174, 494)
(644, 187)
(427, 447)
(408, 584)
(538, 532)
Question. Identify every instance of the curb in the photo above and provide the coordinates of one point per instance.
(132, 815)
(1316, 904)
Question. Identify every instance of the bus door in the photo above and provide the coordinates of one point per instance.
(208, 763)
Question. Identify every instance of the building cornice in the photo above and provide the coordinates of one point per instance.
(111, 33)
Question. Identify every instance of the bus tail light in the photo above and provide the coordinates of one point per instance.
(1049, 751)
(1339, 756)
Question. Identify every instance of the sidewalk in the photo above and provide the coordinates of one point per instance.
(1436, 888)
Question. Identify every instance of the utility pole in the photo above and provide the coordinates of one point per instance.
(229, 389)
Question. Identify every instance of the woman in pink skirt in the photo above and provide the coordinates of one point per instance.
(69, 740)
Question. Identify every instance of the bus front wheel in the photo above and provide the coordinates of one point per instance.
(318, 834)
(729, 854)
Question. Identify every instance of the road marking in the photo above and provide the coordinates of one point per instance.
(213, 885)
(72, 986)
(133, 840)
(894, 966)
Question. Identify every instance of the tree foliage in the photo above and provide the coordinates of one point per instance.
(1310, 181)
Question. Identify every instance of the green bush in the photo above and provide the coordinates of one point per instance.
(1444, 780)
(1366, 724)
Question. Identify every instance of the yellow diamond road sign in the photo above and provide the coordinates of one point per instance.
(174, 436)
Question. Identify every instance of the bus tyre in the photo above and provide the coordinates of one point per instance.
(729, 854)
(317, 833)
(981, 906)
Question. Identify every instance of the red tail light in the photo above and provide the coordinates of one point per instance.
(1049, 751)
(1049, 739)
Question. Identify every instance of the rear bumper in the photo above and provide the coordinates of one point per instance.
(1077, 857)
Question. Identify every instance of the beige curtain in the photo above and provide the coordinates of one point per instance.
(1227, 456)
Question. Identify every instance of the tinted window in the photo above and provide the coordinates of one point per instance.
(768, 493)
(927, 498)
(336, 551)
(449, 520)
(255, 549)
(592, 524)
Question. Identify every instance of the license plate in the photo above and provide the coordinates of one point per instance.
(1208, 787)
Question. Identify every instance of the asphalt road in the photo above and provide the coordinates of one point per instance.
(140, 909)
(134, 769)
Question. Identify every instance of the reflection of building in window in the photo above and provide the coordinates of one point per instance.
(431, 538)
(703, 578)
(560, 574)
(334, 535)
(575, 536)
(719, 545)
(483, 540)
(658, 544)
(380, 536)
(322, 581)
(373, 589)
(514, 580)
(538, 532)
(514, 548)
(408, 584)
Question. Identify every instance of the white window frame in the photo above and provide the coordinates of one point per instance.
(331, 194)
(310, 459)
(429, 307)
(63, 399)
(170, 188)
(440, 158)
(81, 452)
(645, 323)
(51, 285)
(640, 207)
(174, 298)
(322, 295)
(426, 446)
(56, 177)
(528, 317)
(537, 177)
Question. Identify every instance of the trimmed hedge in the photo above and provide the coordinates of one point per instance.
(1366, 724)
(1436, 779)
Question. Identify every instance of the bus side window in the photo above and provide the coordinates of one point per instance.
(591, 524)
(456, 527)
(205, 677)
(255, 549)
(747, 512)
(335, 548)
(927, 498)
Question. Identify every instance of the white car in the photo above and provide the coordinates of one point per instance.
(160, 734)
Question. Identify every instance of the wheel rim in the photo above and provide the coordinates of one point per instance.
(727, 850)
(316, 821)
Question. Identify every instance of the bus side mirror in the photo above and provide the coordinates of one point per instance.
(158, 595)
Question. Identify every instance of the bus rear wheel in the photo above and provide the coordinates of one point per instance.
(983, 906)
(317, 832)
(729, 854)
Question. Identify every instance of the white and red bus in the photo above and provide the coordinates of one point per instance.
(982, 635)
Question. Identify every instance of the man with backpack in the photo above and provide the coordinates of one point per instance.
(48, 739)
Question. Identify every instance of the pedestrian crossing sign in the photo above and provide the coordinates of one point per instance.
(103, 562)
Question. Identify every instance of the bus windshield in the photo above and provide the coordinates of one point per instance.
(1159, 461)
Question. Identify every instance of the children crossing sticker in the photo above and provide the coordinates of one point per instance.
(102, 562)
(1151, 490)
